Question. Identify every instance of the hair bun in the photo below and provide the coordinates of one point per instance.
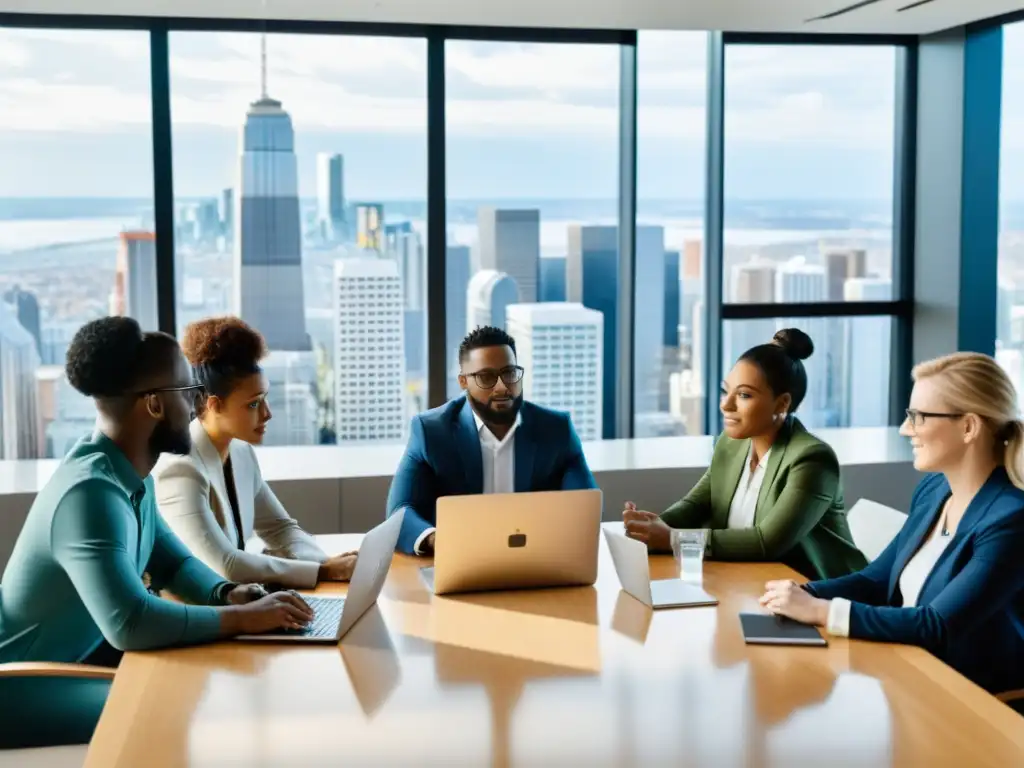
(795, 343)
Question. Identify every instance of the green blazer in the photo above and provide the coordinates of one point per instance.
(799, 519)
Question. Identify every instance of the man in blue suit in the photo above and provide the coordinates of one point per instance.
(489, 441)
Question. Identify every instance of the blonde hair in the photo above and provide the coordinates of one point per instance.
(974, 383)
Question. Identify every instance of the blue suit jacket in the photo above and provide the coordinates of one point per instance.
(970, 612)
(443, 459)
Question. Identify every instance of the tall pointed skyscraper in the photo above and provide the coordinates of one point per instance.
(268, 234)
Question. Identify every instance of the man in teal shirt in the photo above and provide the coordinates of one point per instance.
(75, 577)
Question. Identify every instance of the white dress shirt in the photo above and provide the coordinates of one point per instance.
(912, 581)
(744, 501)
(499, 465)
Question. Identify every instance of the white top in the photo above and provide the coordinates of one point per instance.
(744, 501)
(498, 458)
(193, 498)
(912, 580)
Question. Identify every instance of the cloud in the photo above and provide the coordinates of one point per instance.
(14, 55)
(78, 80)
(32, 106)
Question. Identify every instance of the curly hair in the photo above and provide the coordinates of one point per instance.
(112, 357)
(223, 350)
(485, 336)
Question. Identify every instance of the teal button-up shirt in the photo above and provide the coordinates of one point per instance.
(75, 576)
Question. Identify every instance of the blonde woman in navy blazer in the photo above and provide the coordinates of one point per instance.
(952, 581)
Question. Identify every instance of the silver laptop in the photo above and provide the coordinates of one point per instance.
(631, 566)
(333, 617)
(515, 541)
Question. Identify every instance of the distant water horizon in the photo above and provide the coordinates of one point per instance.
(29, 234)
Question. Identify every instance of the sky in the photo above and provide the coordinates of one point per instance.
(523, 120)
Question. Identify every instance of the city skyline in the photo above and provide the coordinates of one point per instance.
(338, 215)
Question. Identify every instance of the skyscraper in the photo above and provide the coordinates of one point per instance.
(269, 292)
(798, 281)
(865, 372)
(559, 345)
(291, 376)
(488, 296)
(65, 414)
(26, 309)
(404, 245)
(134, 293)
(456, 288)
(750, 283)
(509, 242)
(841, 266)
(552, 279)
(692, 288)
(19, 414)
(330, 194)
(369, 364)
(227, 212)
(592, 279)
(370, 226)
(648, 330)
(673, 299)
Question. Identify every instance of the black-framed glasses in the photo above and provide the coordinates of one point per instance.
(196, 390)
(918, 418)
(488, 378)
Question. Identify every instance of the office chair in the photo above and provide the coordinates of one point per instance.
(49, 705)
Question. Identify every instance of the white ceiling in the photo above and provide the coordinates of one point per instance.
(876, 16)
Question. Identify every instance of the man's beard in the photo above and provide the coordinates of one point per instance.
(491, 415)
(166, 439)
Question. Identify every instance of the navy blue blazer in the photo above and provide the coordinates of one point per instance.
(970, 612)
(443, 459)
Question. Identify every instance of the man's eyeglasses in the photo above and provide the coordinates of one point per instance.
(196, 390)
(918, 418)
(488, 379)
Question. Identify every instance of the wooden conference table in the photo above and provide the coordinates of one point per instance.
(584, 676)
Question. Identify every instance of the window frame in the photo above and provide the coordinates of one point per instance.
(901, 307)
(716, 311)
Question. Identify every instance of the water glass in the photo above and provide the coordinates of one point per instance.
(688, 549)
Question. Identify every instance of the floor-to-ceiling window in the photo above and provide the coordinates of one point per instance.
(669, 276)
(808, 214)
(300, 205)
(532, 134)
(76, 217)
(1010, 301)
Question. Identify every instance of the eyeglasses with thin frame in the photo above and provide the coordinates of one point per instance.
(197, 391)
(488, 379)
(918, 418)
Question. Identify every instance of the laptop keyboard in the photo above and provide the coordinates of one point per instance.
(326, 617)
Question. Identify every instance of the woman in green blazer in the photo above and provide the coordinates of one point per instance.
(773, 490)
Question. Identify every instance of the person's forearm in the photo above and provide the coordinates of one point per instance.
(198, 584)
(163, 624)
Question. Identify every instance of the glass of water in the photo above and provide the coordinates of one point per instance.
(688, 549)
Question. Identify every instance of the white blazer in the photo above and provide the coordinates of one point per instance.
(192, 495)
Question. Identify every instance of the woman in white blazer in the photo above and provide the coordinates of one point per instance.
(215, 498)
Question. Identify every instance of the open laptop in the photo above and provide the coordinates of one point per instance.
(335, 616)
(630, 558)
(515, 541)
